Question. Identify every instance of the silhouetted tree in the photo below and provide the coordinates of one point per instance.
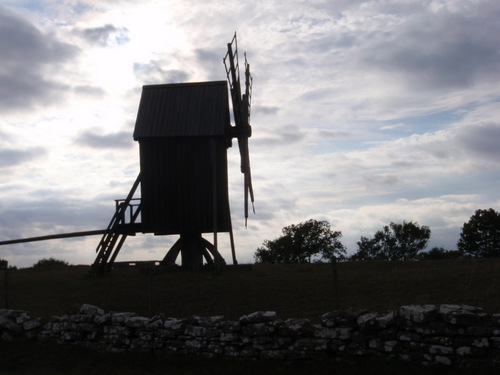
(394, 242)
(302, 243)
(51, 262)
(480, 236)
(437, 253)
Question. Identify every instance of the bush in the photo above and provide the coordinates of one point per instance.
(49, 263)
(437, 253)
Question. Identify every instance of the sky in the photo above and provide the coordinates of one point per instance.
(363, 113)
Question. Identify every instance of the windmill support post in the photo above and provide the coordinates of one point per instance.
(54, 237)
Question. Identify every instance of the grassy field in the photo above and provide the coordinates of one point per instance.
(305, 290)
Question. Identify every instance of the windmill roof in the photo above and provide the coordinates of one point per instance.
(186, 109)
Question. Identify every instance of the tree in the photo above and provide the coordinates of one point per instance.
(480, 236)
(302, 243)
(437, 253)
(394, 242)
(51, 262)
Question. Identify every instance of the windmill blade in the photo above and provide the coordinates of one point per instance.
(248, 88)
(241, 111)
(231, 63)
(245, 169)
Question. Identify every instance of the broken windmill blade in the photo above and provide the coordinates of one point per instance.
(241, 113)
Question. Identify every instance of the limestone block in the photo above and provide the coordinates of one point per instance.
(117, 330)
(259, 317)
(195, 331)
(462, 314)
(12, 314)
(136, 322)
(154, 324)
(174, 324)
(485, 331)
(229, 336)
(442, 360)
(121, 317)
(310, 344)
(391, 346)
(440, 350)
(258, 329)
(211, 321)
(22, 317)
(480, 342)
(342, 333)
(342, 318)
(408, 336)
(86, 309)
(376, 320)
(419, 313)
(296, 327)
(9, 324)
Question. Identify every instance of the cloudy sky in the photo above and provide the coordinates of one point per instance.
(363, 113)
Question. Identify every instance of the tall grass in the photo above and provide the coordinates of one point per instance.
(292, 290)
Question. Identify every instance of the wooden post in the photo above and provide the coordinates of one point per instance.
(335, 284)
(213, 159)
(150, 266)
(6, 285)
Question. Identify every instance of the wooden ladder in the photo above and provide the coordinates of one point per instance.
(115, 235)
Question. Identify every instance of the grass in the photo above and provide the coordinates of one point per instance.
(292, 290)
(302, 291)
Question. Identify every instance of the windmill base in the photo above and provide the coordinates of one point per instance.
(193, 249)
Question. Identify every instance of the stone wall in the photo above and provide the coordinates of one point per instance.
(447, 335)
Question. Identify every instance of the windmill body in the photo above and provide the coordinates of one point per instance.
(183, 132)
(183, 135)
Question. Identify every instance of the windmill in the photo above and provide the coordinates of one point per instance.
(183, 131)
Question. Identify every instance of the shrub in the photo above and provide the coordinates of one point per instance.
(51, 262)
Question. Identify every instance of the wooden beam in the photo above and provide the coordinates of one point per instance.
(55, 236)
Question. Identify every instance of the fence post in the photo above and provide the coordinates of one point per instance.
(335, 283)
(150, 289)
(6, 283)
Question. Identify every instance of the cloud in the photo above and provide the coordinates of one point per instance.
(118, 140)
(29, 58)
(266, 110)
(481, 140)
(105, 36)
(50, 215)
(13, 157)
(90, 91)
(436, 50)
(153, 73)
(282, 136)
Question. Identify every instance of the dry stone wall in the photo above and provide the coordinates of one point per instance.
(445, 335)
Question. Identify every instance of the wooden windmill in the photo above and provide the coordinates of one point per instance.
(184, 131)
